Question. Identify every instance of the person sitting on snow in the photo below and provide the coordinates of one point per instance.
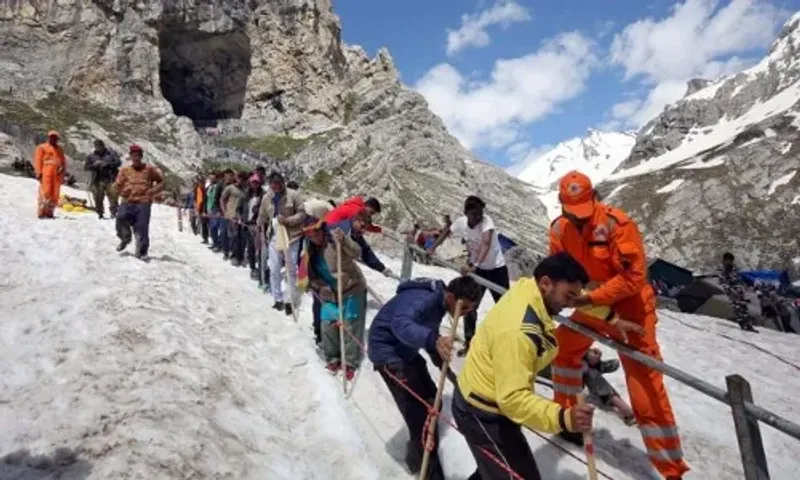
(407, 323)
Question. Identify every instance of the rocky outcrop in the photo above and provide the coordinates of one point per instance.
(718, 170)
(274, 74)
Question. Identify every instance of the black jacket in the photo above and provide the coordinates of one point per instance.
(104, 167)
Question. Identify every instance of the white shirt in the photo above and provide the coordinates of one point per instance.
(473, 238)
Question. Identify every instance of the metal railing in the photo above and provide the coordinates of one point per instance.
(738, 396)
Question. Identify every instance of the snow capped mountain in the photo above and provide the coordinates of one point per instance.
(717, 170)
(598, 154)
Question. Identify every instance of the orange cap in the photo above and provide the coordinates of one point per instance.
(576, 194)
(53, 133)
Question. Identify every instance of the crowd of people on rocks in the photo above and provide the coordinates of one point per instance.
(596, 264)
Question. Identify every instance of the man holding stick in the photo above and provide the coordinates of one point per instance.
(407, 323)
(495, 396)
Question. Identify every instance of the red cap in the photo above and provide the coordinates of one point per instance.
(135, 149)
(576, 194)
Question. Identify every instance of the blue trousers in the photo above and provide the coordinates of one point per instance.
(134, 219)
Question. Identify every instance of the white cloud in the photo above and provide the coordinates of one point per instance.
(696, 40)
(472, 32)
(494, 112)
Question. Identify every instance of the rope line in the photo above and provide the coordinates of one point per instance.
(432, 413)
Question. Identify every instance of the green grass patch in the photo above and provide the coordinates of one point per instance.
(61, 112)
(320, 182)
(350, 101)
(281, 147)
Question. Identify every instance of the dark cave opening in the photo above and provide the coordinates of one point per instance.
(204, 75)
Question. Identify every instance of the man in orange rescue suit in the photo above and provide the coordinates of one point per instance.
(609, 246)
(50, 166)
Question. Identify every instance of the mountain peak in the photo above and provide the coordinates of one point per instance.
(597, 154)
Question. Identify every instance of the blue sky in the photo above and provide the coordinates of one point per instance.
(512, 78)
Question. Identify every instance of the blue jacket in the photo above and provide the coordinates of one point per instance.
(408, 322)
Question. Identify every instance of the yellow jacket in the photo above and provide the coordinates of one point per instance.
(511, 346)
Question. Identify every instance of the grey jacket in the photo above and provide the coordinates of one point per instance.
(290, 205)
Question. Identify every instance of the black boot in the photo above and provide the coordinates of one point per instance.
(288, 308)
(123, 244)
(278, 306)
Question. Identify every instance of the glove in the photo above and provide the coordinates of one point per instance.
(388, 273)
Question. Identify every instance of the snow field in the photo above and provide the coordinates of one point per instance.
(179, 369)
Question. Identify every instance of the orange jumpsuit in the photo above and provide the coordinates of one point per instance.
(611, 250)
(50, 165)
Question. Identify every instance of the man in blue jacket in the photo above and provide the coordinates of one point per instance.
(407, 323)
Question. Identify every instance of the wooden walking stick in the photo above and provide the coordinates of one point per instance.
(339, 296)
(437, 403)
(588, 445)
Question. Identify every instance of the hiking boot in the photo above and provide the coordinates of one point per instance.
(236, 262)
(123, 245)
(100, 215)
(333, 367)
(205, 241)
(225, 256)
(278, 306)
(216, 249)
(288, 308)
(574, 438)
(253, 274)
(349, 373)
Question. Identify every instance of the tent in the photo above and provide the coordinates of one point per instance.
(506, 243)
(703, 297)
(775, 277)
(669, 273)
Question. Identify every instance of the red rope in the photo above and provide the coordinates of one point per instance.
(432, 411)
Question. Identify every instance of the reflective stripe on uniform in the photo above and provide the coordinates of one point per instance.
(666, 455)
(654, 431)
(567, 389)
(567, 372)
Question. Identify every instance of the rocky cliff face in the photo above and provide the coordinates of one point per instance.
(718, 170)
(270, 77)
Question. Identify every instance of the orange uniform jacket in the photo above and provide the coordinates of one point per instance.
(611, 250)
(49, 160)
(199, 198)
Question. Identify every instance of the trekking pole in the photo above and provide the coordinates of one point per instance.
(588, 445)
(339, 296)
(423, 474)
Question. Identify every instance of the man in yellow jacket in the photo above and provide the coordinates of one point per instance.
(495, 394)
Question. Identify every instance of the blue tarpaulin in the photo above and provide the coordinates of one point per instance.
(506, 243)
(776, 277)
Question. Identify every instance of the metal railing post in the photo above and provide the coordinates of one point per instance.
(754, 460)
(408, 263)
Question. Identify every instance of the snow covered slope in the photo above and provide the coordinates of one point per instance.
(172, 369)
(597, 155)
(730, 151)
(179, 369)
